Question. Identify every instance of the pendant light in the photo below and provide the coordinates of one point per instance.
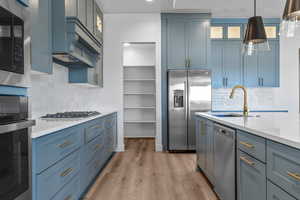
(255, 37)
(291, 18)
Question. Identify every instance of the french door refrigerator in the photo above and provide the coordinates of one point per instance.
(189, 92)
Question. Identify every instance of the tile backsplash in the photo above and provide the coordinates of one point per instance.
(258, 99)
(53, 93)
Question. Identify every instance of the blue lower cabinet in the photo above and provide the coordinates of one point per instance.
(67, 162)
(251, 178)
(54, 178)
(283, 167)
(275, 193)
(71, 191)
(52, 148)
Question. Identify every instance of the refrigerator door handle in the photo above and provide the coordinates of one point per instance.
(185, 100)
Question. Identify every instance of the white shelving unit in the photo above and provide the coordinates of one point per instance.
(139, 91)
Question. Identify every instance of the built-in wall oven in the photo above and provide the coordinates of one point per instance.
(14, 43)
(15, 148)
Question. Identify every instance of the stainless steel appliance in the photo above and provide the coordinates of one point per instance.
(14, 43)
(225, 149)
(75, 114)
(15, 148)
(189, 92)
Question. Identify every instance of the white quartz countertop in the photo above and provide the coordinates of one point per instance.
(46, 126)
(279, 127)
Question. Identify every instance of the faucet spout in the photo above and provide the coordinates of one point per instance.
(245, 109)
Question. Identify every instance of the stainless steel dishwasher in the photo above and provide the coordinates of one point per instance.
(225, 142)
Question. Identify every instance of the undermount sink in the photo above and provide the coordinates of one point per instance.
(233, 115)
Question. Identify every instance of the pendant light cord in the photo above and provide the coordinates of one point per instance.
(254, 8)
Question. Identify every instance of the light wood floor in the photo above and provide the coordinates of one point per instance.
(139, 173)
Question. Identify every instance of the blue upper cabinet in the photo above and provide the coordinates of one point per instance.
(176, 42)
(41, 40)
(198, 43)
(188, 43)
(226, 63)
(230, 67)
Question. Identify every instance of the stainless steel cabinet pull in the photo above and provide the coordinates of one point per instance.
(244, 159)
(65, 144)
(295, 176)
(66, 172)
(262, 82)
(250, 146)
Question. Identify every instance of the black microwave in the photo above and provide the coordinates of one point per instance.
(11, 42)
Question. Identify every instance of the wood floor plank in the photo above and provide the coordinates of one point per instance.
(140, 173)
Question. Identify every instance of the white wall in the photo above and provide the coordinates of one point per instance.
(120, 28)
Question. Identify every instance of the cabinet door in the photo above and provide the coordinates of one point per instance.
(202, 145)
(276, 193)
(41, 40)
(81, 11)
(232, 63)
(251, 78)
(252, 181)
(198, 43)
(176, 44)
(268, 62)
(217, 64)
(90, 15)
(98, 22)
(210, 153)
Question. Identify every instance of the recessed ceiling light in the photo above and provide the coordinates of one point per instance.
(149, 1)
(126, 44)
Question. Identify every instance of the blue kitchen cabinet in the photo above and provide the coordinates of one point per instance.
(82, 11)
(188, 42)
(262, 68)
(268, 66)
(98, 23)
(205, 147)
(251, 178)
(176, 42)
(276, 193)
(41, 40)
(198, 43)
(226, 63)
(90, 15)
(67, 162)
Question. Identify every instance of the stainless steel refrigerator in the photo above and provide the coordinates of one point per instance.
(189, 92)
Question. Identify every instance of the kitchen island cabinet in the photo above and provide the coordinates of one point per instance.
(267, 154)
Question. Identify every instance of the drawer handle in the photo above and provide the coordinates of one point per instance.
(247, 161)
(66, 172)
(68, 197)
(94, 127)
(250, 146)
(294, 176)
(65, 144)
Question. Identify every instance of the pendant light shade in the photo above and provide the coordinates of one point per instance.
(255, 37)
(291, 18)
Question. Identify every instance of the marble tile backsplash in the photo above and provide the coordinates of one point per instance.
(53, 93)
(258, 99)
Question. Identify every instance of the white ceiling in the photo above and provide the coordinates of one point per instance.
(219, 8)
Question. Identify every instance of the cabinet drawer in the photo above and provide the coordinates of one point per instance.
(283, 167)
(93, 147)
(252, 180)
(93, 130)
(276, 193)
(54, 178)
(253, 145)
(54, 147)
(70, 191)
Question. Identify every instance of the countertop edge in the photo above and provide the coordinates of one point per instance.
(262, 134)
(41, 133)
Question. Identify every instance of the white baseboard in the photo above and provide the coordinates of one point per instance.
(158, 147)
(120, 148)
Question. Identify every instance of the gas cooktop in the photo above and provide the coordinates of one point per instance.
(78, 114)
